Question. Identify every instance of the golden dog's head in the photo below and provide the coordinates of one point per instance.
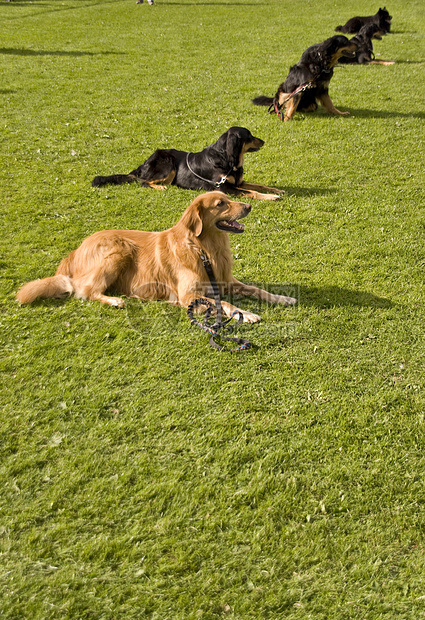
(214, 212)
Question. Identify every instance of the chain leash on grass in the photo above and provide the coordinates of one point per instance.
(215, 328)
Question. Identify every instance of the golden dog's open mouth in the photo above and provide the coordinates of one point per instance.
(231, 226)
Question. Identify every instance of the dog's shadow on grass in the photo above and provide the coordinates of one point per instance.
(27, 52)
(331, 296)
(214, 3)
(361, 113)
(326, 296)
(307, 191)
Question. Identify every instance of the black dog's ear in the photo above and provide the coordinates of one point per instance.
(220, 144)
(234, 145)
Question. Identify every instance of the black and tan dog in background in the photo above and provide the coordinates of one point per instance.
(382, 19)
(308, 81)
(364, 54)
(218, 166)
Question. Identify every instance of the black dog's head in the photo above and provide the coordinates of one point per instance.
(235, 142)
(322, 57)
(370, 31)
(337, 46)
(384, 19)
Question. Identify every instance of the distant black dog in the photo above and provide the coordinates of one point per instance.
(364, 53)
(218, 166)
(308, 81)
(382, 19)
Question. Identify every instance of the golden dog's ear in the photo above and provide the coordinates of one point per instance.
(192, 219)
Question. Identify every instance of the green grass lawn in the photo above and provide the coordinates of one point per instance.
(143, 474)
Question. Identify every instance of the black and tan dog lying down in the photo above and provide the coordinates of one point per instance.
(364, 54)
(163, 265)
(219, 166)
(308, 81)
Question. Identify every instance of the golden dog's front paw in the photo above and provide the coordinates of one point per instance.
(115, 302)
(250, 317)
(286, 301)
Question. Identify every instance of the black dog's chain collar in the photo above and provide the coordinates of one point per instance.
(216, 184)
(277, 107)
(219, 324)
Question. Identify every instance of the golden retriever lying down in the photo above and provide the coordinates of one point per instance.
(158, 265)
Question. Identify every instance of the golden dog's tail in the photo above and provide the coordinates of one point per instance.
(59, 285)
(55, 286)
